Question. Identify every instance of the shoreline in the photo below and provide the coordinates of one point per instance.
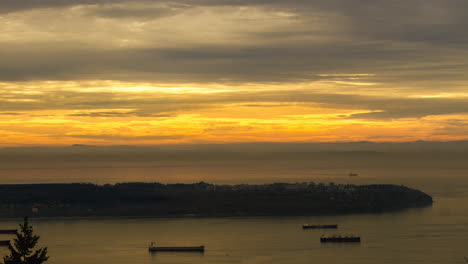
(202, 200)
(71, 218)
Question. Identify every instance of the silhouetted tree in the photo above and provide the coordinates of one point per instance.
(22, 251)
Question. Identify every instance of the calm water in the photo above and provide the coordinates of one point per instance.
(436, 234)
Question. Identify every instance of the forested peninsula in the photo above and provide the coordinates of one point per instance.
(203, 199)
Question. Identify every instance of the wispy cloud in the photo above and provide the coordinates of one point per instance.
(232, 70)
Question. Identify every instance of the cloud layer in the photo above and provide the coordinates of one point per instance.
(232, 70)
(240, 41)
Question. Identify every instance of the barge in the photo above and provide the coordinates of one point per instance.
(8, 231)
(340, 239)
(154, 248)
(307, 226)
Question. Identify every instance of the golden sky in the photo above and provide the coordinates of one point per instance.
(140, 72)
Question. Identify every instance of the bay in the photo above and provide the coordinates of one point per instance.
(434, 234)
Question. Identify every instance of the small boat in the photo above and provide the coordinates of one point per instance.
(307, 226)
(155, 248)
(4, 242)
(352, 174)
(340, 239)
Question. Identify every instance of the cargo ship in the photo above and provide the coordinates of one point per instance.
(154, 248)
(307, 226)
(340, 239)
(8, 231)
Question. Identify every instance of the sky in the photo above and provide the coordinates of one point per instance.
(140, 72)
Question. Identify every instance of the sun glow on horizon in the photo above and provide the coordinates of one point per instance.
(114, 112)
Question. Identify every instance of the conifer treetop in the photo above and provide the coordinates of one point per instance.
(22, 249)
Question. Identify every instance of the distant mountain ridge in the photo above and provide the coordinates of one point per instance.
(264, 147)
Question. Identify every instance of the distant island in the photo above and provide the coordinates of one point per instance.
(204, 200)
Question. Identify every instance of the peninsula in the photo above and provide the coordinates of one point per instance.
(203, 199)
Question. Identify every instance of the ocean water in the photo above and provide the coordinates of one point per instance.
(436, 234)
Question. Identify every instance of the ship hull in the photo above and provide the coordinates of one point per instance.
(319, 226)
(177, 249)
(8, 231)
(340, 239)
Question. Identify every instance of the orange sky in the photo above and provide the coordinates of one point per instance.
(172, 72)
(105, 113)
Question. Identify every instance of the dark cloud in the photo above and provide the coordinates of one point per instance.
(451, 128)
(414, 108)
(123, 137)
(142, 12)
(10, 114)
(402, 41)
(383, 107)
(168, 105)
(257, 63)
(21, 5)
(263, 105)
(120, 114)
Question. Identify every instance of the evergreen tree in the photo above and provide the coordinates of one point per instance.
(24, 243)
